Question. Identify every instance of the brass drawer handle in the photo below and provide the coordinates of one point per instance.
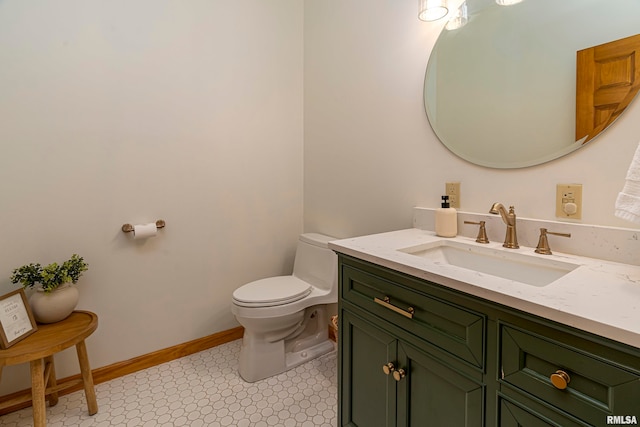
(386, 303)
(399, 374)
(560, 379)
(388, 368)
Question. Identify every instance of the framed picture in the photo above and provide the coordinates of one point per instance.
(16, 319)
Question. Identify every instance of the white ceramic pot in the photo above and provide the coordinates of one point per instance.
(54, 306)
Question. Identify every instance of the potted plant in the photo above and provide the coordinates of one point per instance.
(54, 298)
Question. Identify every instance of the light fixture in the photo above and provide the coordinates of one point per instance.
(459, 18)
(507, 2)
(432, 10)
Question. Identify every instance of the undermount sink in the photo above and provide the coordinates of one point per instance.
(506, 264)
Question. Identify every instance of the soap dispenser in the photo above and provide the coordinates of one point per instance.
(446, 219)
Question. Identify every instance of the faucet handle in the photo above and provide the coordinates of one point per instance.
(482, 232)
(543, 243)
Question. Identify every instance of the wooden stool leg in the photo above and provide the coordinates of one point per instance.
(87, 378)
(37, 393)
(50, 379)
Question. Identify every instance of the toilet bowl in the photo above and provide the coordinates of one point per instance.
(285, 318)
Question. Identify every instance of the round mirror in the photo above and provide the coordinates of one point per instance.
(506, 86)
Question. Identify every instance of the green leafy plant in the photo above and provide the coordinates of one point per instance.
(50, 276)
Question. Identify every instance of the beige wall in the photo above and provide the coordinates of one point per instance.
(130, 111)
(370, 154)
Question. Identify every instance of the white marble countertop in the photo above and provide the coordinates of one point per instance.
(601, 297)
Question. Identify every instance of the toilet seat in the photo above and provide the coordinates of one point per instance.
(272, 291)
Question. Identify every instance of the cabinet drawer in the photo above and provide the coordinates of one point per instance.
(454, 329)
(596, 388)
(516, 414)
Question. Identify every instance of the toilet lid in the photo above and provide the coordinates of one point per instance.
(271, 291)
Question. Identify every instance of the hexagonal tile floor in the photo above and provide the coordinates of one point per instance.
(203, 389)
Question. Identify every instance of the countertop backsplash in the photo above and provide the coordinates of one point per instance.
(594, 241)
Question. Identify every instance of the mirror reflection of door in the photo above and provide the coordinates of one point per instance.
(608, 78)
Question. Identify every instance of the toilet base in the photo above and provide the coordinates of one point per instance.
(302, 356)
(271, 359)
(297, 339)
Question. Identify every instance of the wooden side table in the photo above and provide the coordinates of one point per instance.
(39, 348)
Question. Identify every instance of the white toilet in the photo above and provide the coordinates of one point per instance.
(285, 318)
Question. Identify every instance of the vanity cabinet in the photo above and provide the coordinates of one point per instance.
(421, 366)
(415, 353)
(394, 383)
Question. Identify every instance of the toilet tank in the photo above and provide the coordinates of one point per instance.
(315, 263)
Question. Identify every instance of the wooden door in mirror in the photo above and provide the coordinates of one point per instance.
(608, 78)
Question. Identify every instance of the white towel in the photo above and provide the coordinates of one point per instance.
(628, 201)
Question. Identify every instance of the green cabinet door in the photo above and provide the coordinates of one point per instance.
(432, 394)
(367, 395)
(421, 391)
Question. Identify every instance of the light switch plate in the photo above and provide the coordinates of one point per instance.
(569, 201)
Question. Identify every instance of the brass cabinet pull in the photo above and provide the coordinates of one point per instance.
(399, 374)
(560, 379)
(387, 304)
(388, 368)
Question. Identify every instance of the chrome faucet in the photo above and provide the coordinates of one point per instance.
(511, 238)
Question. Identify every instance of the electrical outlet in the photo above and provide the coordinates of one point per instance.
(452, 189)
(569, 201)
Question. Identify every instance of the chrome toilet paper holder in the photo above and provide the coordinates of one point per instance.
(128, 228)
